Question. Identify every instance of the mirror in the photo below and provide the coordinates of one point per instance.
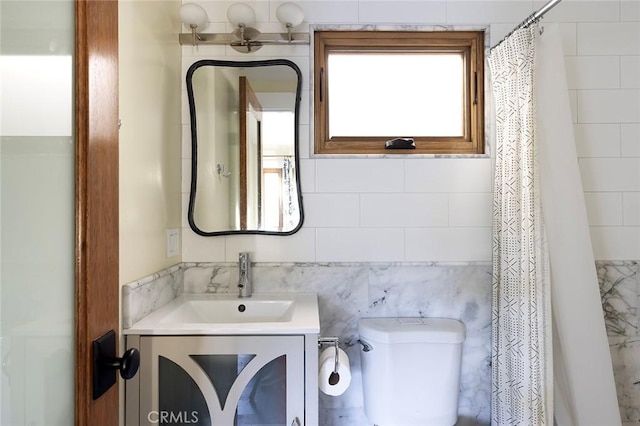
(244, 147)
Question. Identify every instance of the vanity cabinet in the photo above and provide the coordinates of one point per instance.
(218, 381)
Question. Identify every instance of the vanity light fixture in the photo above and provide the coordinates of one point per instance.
(244, 37)
(242, 16)
(193, 16)
(290, 15)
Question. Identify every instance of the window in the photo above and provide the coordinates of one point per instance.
(374, 86)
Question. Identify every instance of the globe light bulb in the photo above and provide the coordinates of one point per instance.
(241, 15)
(289, 14)
(193, 15)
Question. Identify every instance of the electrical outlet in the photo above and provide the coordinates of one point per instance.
(172, 242)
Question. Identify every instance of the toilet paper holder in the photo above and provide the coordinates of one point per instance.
(331, 341)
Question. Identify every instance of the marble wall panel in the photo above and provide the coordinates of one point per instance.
(141, 297)
(350, 291)
(620, 293)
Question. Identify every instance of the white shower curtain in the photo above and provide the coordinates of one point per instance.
(538, 187)
(522, 375)
(585, 389)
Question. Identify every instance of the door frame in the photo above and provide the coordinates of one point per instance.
(249, 108)
(96, 178)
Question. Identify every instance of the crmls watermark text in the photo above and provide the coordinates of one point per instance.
(171, 417)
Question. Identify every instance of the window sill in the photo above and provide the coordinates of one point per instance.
(399, 156)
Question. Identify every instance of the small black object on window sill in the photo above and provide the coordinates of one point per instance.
(400, 143)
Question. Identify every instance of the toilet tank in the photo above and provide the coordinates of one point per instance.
(411, 370)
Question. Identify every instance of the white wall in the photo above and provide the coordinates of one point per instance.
(150, 134)
(427, 209)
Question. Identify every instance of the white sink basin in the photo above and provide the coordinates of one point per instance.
(282, 313)
(231, 311)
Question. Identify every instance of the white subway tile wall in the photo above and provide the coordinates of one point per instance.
(439, 209)
(630, 10)
(630, 72)
(593, 72)
(630, 138)
(604, 208)
(598, 140)
(631, 209)
(608, 106)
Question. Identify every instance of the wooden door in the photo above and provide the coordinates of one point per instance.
(96, 112)
(250, 157)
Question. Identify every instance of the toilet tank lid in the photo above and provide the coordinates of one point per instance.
(411, 330)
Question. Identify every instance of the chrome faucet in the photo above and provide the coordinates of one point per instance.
(244, 280)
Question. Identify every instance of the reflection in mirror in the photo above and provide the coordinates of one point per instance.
(244, 141)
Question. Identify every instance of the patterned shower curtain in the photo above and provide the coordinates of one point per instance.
(522, 369)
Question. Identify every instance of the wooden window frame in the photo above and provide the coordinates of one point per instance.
(469, 43)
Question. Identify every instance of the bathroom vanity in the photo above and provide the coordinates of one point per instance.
(224, 360)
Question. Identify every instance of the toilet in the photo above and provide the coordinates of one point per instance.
(411, 370)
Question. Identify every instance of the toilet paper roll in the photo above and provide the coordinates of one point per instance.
(326, 364)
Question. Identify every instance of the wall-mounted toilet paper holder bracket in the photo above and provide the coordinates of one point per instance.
(331, 341)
